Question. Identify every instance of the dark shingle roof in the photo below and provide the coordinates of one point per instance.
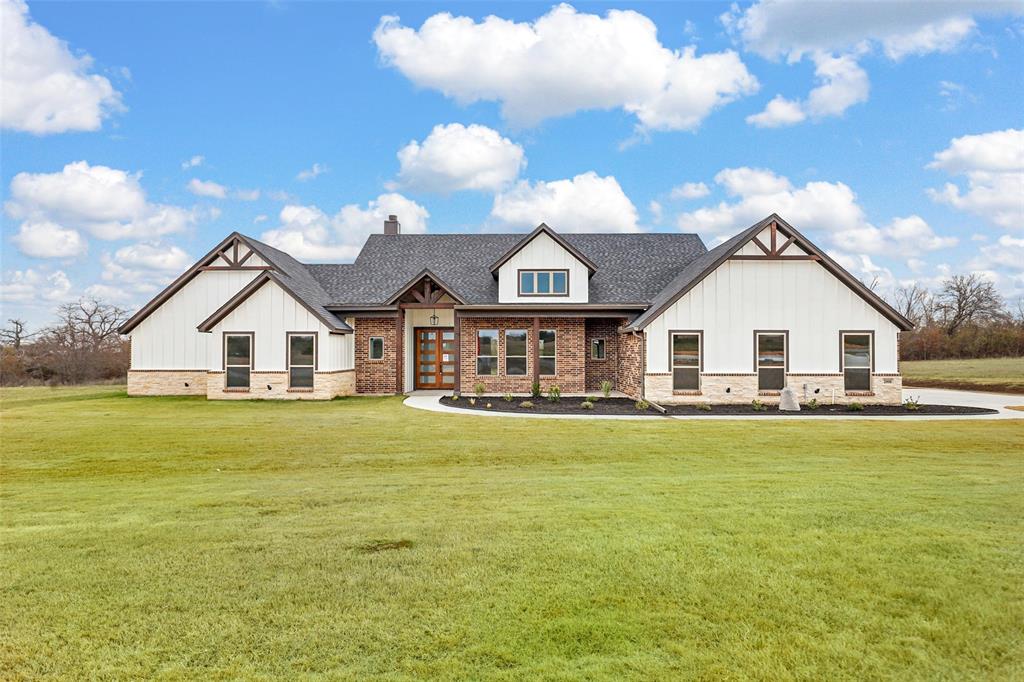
(631, 268)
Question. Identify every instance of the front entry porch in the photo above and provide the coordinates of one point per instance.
(435, 358)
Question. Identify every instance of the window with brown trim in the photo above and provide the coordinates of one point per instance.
(237, 360)
(597, 349)
(515, 352)
(686, 361)
(376, 350)
(543, 282)
(301, 360)
(487, 352)
(857, 361)
(546, 353)
(771, 361)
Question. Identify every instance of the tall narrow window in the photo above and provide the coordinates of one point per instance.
(546, 352)
(857, 361)
(301, 360)
(487, 352)
(686, 362)
(771, 361)
(515, 352)
(237, 360)
(597, 349)
(376, 347)
(543, 282)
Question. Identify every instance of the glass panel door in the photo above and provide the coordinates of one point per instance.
(435, 358)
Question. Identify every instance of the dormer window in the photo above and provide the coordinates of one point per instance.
(543, 282)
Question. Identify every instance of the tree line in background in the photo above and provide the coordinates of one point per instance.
(965, 318)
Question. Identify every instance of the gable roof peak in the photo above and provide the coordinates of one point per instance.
(544, 228)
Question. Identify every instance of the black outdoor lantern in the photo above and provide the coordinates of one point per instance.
(434, 319)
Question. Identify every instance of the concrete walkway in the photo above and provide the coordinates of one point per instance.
(430, 400)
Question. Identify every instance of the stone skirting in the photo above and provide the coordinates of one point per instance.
(167, 382)
(274, 386)
(742, 388)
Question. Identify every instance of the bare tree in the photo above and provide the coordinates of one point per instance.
(85, 343)
(912, 301)
(968, 299)
(14, 334)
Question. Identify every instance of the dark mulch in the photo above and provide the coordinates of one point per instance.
(544, 406)
(615, 406)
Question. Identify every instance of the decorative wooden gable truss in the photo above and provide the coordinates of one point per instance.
(774, 250)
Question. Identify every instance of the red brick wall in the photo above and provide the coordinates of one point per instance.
(570, 355)
(607, 369)
(631, 364)
(375, 376)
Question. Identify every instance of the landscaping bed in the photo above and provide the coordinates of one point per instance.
(621, 406)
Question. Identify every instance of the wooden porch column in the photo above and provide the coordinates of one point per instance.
(458, 353)
(536, 349)
(400, 352)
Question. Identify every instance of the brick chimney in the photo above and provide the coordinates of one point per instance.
(391, 225)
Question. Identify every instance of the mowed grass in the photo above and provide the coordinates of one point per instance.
(359, 539)
(999, 374)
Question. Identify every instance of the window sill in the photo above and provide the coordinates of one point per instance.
(860, 393)
(300, 390)
(236, 390)
(687, 393)
(769, 393)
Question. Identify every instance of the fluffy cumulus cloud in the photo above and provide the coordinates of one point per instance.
(563, 62)
(828, 209)
(308, 233)
(456, 157)
(138, 270)
(690, 190)
(993, 165)
(105, 202)
(33, 285)
(585, 203)
(207, 188)
(46, 88)
(835, 34)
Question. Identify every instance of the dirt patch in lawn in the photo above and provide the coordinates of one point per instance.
(964, 386)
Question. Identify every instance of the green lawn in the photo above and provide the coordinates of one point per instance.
(179, 538)
(994, 374)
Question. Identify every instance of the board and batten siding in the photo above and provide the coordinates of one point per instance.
(270, 314)
(168, 338)
(742, 296)
(543, 253)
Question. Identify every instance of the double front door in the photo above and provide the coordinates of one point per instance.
(435, 358)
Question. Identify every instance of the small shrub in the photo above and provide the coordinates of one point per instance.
(526, 404)
(472, 401)
(854, 407)
(488, 406)
(455, 398)
(535, 389)
(554, 393)
(642, 405)
(704, 407)
(758, 406)
(587, 405)
(508, 398)
(813, 404)
(606, 389)
(912, 404)
(479, 390)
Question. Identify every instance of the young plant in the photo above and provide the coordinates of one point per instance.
(535, 389)
(606, 388)
(479, 390)
(587, 405)
(455, 398)
(642, 404)
(912, 404)
(704, 407)
(854, 407)
(508, 398)
(472, 401)
(526, 404)
(813, 404)
(554, 393)
(758, 406)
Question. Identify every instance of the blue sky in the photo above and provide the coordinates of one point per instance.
(137, 135)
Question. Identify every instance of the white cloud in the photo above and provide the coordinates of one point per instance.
(863, 268)
(261, 218)
(456, 157)
(777, 113)
(311, 172)
(104, 202)
(656, 210)
(827, 208)
(690, 190)
(993, 164)
(207, 188)
(46, 88)
(563, 62)
(1007, 253)
(586, 203)
(194, 162)
(49, 240)
(793, 28)
(246, 194)
(954, 95)
(35, 286)
(139, 269)
(306, 232)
